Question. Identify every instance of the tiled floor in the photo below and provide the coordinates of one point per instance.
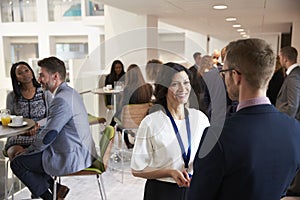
(85, 187)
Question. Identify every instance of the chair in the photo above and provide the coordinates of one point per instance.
(131, 117)
(99, 165)
(7, 190)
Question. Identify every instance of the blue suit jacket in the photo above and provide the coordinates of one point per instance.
(66, 140)
(256, 157)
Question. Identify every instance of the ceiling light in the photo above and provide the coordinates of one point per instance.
(220, 7)
(230, 19)
(242, 33)
(236, 25)
(245, 36)
(240, 30)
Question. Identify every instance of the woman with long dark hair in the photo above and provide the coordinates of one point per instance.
(117, 73)
(167, 139)
(28, 100)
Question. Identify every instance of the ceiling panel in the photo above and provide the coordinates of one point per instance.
(256, 16)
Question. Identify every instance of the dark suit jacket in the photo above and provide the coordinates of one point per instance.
(256, 157)
(275, 85)
(288, 99)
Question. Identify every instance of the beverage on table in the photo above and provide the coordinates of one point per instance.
(5, 116)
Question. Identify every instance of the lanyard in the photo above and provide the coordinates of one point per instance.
(186, 156)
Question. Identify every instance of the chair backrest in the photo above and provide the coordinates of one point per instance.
(133, 114)
(105, 147)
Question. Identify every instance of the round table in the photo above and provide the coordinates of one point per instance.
(7, 131)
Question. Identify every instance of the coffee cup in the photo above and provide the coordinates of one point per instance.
(17, 120)
(109, 87)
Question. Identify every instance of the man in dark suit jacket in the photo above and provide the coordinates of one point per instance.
(256, 156)
(288, 99)
(194, 69)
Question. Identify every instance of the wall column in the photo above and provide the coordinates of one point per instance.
(296, 37)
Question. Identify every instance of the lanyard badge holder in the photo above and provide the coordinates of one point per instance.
(186, 156)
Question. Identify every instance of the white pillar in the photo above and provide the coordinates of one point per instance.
(296, 37)
(129, 37)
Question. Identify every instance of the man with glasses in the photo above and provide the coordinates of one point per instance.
(256, 155)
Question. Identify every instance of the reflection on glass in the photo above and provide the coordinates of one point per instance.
(18, 10)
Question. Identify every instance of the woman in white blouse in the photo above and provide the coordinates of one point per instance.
(167, 140)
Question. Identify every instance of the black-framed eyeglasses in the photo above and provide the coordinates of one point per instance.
(222, 72)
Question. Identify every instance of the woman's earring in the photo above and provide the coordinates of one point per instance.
(19, 83)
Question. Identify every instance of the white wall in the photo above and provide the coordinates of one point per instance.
(296, 37)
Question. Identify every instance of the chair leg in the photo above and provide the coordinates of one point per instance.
(7, 190)
(55, 188)
(122, 152)
(101, 187)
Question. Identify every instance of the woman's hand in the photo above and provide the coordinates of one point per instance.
(33, 130)
(182, 178)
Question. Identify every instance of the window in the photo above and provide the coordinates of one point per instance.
(18, 10)
(64, 10)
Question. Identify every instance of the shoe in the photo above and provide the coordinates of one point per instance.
(62, 192)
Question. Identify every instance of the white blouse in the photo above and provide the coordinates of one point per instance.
(156, 145)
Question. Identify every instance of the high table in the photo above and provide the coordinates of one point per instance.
(114, 93)
(7, 131)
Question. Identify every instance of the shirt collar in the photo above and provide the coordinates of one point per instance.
(293, 66)
(253, 102)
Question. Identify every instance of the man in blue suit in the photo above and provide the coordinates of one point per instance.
(65, 145)
(288, 98)
(258, 152)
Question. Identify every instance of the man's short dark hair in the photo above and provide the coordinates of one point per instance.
(53, 65)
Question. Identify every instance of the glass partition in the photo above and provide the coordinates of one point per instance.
(64, 10)
(94, 8)
(18, 10)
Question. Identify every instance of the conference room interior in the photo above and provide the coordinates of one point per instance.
(88, 35)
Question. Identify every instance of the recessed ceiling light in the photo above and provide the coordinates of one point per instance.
(220, 7)
(245, 36)
(236, 25)
(231, 19)
(242, 33)
(240, 30)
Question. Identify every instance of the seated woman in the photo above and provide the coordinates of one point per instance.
(29, 100)
(136, 91)
(117, 73)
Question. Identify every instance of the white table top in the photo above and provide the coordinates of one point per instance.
(7, 131)
(102, 91)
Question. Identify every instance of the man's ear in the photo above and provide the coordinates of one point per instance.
(236, 78)
(56, 76)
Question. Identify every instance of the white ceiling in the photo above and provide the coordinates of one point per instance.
(256, 16)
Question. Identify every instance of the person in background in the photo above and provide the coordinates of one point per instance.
(256, 155)
(288, 99)
(216, 55)
(167, 140)
(136, 91)
(28, 100)
(194, 69)
(117, 73)
(152, 69)
(200, 87)
(65, 145)
(276, 81)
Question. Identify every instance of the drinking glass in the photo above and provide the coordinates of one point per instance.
(5, 116)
